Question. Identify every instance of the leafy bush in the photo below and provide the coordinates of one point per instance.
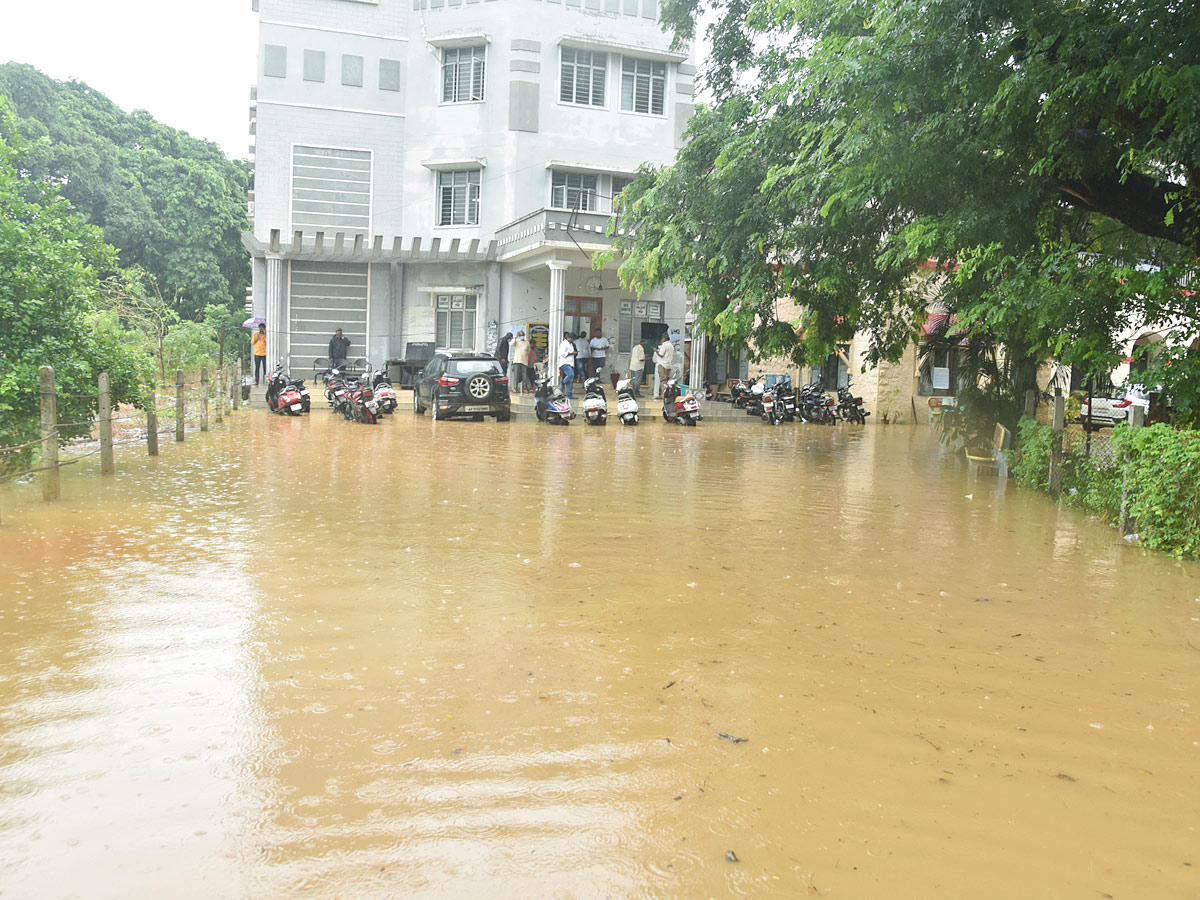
(1164, 486)
(1030, 461)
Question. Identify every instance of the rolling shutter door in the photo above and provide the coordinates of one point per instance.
(324, 297)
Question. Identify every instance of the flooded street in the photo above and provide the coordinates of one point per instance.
(301, 658)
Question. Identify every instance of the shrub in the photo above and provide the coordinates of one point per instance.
(1030, 461)
(1164, 486)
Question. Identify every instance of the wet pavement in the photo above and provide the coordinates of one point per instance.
(304, 658)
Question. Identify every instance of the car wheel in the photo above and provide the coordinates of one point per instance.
(438, 415)
(417, 407)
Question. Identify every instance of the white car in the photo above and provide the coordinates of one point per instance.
(1109, 411)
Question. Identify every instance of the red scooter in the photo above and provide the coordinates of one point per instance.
(286, 395)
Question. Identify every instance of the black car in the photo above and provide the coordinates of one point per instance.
(463, 383)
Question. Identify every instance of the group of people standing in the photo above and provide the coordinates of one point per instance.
(580, 358)
(515, 358)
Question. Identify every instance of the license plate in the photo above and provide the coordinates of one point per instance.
(296, 407)
(475, 409)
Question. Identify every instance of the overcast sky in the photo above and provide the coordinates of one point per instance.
(190, 65)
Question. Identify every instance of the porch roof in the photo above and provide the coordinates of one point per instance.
(341, 247)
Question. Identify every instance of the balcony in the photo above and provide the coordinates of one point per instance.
(549, 229)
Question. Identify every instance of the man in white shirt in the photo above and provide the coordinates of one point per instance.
(583, 355)
(664, 358)
(637, 366)
(566, 362)
(599, 347)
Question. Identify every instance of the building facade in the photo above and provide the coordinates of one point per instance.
(443, 170)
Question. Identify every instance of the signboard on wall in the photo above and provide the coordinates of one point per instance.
(539, 339)
(941, 378)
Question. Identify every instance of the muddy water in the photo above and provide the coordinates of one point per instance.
(306, 659)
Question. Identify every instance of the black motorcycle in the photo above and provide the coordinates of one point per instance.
(850, 407)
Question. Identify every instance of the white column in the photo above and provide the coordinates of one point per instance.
(276, 309)
(558, 291)
(699, 345)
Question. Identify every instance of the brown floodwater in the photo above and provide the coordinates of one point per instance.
(301, 658)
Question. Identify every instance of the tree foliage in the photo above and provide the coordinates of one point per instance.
(171, 204)
(49, 292)
(1045, 153)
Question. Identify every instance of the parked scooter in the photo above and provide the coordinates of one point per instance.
(385, 394)
(595, 402)
(551, 404)
(627, 405)
(363, 406)
(285, 394)
(679, 408)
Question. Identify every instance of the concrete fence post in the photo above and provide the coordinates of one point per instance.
(1030, 404)
(204, 398)
(237, 386)
(1056, 443)
(107, 466)
(152, 424)
(179, 409)
(1137, 419)
(49, 402)
(219, 394)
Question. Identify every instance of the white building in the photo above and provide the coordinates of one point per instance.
(442, 170)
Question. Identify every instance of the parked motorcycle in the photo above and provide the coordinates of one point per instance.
(785, 399)
(679, 408)
(814, 406)
(595, 403)
(850, 407)
(364, 408)
(627, 405)
(769, 408)
(551, 404)
(285, 394)
(742, 394)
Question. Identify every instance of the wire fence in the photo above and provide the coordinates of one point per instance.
(195, 402)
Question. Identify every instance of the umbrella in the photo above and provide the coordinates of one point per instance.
(254, 323)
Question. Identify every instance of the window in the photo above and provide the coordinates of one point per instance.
(643, 85)
(458, 198)
(352, 70)
(275, 61)
(570, 190)
(389, 74)
(456, 321)
(619, 183)
(582, 77)
(938, 373)
(634, 313)
(462, 74)
(314, 65)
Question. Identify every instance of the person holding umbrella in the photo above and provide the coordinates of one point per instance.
(258, 345)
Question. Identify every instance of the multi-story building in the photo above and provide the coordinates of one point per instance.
(443, 170)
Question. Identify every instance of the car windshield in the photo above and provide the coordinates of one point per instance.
(474, 366)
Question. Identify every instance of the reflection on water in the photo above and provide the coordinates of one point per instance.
(301, 658)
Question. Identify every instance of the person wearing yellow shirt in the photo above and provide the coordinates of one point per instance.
(258, 345)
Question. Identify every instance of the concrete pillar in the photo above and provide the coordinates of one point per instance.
(558, 292)
(699, 348)
(277, 328)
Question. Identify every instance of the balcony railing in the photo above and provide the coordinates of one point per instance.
(553, 227)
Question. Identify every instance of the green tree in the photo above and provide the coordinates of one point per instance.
(1045, 154)
(49, 289)
(171, 204)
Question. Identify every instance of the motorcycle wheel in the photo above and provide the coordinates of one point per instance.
(541, 414)
(690, 422)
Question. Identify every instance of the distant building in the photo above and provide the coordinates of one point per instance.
(442, 170)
